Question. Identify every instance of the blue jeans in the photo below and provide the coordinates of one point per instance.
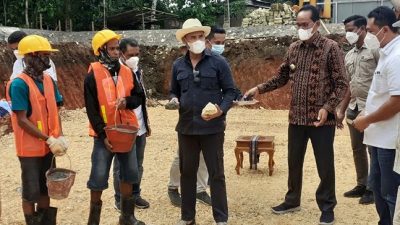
(384, 182)
(137, 160)
(101, 164)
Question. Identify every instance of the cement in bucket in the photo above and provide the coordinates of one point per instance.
(59, 181)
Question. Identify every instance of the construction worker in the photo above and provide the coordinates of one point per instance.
(19, 64)
(207, 76)
(108, 89)
(130, 57)
(37, 127)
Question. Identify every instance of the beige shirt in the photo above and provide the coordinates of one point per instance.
(360, 68)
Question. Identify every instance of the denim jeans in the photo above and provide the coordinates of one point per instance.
(101, 164)
(137, 161)
(384, 182)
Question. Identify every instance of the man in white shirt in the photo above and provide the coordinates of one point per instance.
(19, 64)
(130, 52)
(382, 112)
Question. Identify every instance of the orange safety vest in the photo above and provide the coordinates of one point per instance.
(44, 116)
(108, 92)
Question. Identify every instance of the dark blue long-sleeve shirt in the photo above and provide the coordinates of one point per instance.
(212, 83)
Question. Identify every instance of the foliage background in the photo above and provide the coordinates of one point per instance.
(26, 13)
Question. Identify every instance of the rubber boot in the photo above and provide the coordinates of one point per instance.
(95, 212)
(127, 216)
(49, 216)
(32, 219)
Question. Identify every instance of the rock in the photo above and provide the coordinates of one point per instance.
(152, 103)
(262, 17)
(171, 106)
(5, 126)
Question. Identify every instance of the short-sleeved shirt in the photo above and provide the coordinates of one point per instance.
(386, 83)
(19, 94)
(19, 66)
(360, 67)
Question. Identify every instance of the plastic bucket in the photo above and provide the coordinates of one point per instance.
(121, 137)
(59, 181)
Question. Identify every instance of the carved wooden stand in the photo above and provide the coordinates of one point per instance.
(265, 144)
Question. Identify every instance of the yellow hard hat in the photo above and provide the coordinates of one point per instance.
(34, 43)
(101, 38)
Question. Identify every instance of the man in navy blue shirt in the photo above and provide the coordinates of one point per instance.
(201, 78)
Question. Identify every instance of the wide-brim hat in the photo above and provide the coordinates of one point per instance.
(190, 26)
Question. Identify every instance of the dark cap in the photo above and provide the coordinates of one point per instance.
(16, 36)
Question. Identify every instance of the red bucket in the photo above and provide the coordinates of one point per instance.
(121, 137)
(59, 181)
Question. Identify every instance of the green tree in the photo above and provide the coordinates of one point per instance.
(83, 12)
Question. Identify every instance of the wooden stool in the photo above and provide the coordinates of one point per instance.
(264, 144)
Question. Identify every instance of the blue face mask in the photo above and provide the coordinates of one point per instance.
(219, 49)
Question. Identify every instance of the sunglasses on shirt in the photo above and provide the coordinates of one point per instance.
(196, 76)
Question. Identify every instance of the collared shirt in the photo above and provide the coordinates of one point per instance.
(317, 77)
(386, 83)
(19, 66)
(141, 115)
(141, 110)
(360, 67)
(213, 83)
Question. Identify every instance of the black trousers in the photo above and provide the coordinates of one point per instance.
(322, 142)
(213, 152)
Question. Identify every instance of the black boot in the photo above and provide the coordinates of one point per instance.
(127, 216)
(32, 219)
(49, 216)
(95, 212)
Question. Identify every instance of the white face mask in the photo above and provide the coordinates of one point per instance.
(18, 56)
(304, 34)
(197, 47)
(371, 41)
(352, 37)
(132, 63)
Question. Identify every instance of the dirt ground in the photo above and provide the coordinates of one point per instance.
(250, 195)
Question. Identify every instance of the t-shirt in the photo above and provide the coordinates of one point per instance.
(385, 83)
(19, 94)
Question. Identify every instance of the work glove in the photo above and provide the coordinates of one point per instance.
(56, 146)
(64, 142)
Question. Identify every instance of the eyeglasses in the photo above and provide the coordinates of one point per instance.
(196, 75)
